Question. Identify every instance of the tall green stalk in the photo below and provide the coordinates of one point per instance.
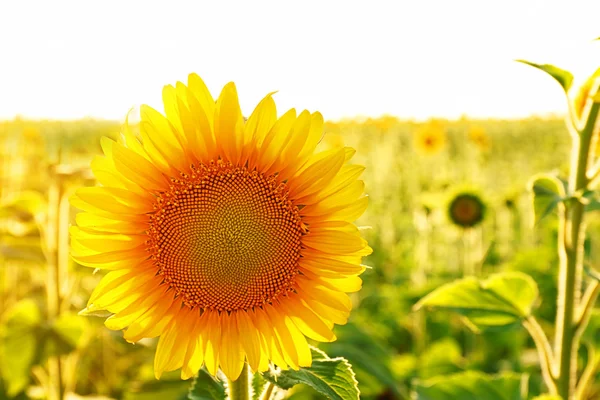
(570, 247)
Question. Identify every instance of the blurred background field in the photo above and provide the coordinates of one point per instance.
(413, 170)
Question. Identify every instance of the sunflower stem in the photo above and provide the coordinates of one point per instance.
(240, 388)
(571, 238)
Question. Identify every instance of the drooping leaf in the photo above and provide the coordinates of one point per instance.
(563, 77)
(547, 192)
(331, 377)
(472, 385)
(503, 299)
(206, 387)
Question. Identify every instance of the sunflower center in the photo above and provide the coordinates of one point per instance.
(226, 238)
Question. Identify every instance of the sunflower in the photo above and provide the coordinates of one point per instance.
(430, 139)
(229, 239)
(479, 138)
(466, 210)
(581, 94)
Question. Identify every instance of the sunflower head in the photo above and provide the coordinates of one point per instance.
(582, 94)
(229, 239)
(479, 137)
(430, 139)
(466, 210)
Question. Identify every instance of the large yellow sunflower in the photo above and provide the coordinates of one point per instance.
(229, 239)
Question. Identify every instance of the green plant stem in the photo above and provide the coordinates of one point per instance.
(588, 373)
(544, 350)
(240, 388)
(587, 303)
(268, 392)
(570, 244)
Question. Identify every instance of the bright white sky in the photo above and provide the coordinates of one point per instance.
(412, 59)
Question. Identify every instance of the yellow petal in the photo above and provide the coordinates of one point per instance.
(229, 124)
(231, 357)
(307, 321)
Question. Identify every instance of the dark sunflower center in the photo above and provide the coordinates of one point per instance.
(226, 238)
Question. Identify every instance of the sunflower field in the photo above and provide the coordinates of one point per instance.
(209, 252)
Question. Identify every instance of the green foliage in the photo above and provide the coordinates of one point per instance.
(258, 385)
(206, 387)
(370, 361)
(503, 299)
(19, 344)
(331, 377)
(563, 77)
(547, 192)
(472, 385)
(384, 342)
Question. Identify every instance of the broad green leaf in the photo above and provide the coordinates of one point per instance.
(65, 335)
(472, 385)
(563, 77)
(19, 344)
(17, 355)
(547, 192)
(331, 377)
(23, 315)
(70, 328)
(206, 387)
(440, 358)
(503, 299)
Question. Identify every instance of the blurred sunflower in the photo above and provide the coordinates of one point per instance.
(478, 136)
(581, 95)
(227, 238)
(430, 139)
(466, 210)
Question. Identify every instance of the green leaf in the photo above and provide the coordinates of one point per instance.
(70, 328)
(258, 385)
(151, 390)
(19, 344)
(547, 192)
(563, 77)
(592, 331)
(591, 200)
(331, 377)
(370, 361)
(503, 299)
(440, 358)
(65, 335)
(472, 385)
(23, 315)
(206, 387)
